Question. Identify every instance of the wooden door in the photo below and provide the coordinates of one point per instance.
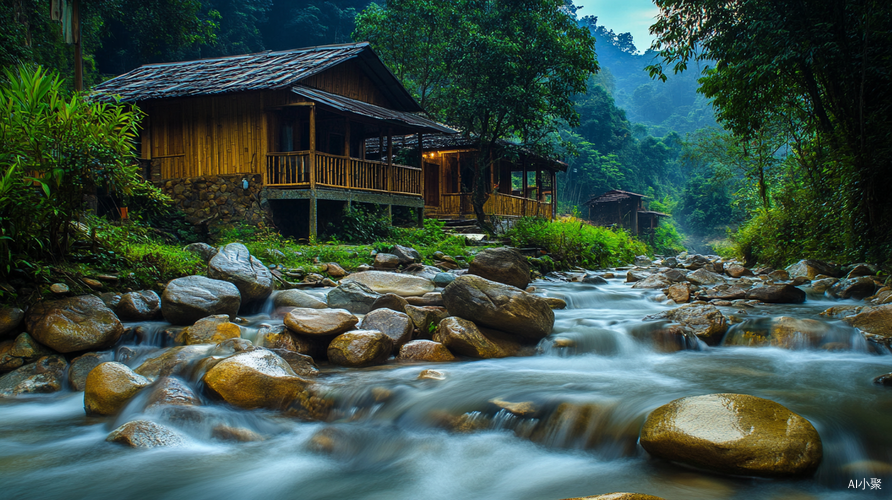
(431, 184)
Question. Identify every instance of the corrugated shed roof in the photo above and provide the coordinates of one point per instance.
(612, 196)
(348, 105)
(241, 73)
(440, 142)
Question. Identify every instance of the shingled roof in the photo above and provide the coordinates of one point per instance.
(612, 196)
(261, 71)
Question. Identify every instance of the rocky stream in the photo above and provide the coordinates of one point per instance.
(685, 378)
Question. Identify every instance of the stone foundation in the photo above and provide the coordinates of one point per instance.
(217, 199)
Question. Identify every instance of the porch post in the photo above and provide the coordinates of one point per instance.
(554, 193)
(389, 161)
(420, 215)
(538, 190)
(313, 148)
(312, 200)
(348, 172)
(525, 187)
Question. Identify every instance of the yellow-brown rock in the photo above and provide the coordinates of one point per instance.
(464, 337)
(555, 303)
(254, 379)
(74, 324)
(110, 386)
(320, 322)
(360, 348)
(876, 320)
(210, 330)
(171, 391)
(425, 350)
(733, 434)
(19, 352)
(236, 434)
(10, 319)
(173, 360)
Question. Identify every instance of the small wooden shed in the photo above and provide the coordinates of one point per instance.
(297, 120)
(623, 209)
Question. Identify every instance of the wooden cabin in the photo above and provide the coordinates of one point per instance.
(295, 122)
(622, 209)
(519, 182)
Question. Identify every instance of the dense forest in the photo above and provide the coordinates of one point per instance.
(783, 143)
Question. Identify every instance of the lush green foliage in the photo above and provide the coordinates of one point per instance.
(816, 77)
(512, 67)
(361, 225)
(574, 243)
(56, 149)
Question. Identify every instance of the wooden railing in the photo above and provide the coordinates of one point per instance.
(292, 169)
(171, 166)
(288, 169)
(503, 205)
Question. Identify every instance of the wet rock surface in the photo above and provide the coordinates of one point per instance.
(145, 434)
(186, 300)
(360, 348)
(733, 434)
(74, 324)
(502, 265)
(320, 322)
(110, 386)
(43, 376)
(235, 264)
(404, 285)
(498, 306)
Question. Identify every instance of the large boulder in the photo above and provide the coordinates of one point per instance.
(502, 265)
(403, 285)
(297, 298)
(145, 434)
(776, 294)
(10, 319)
(110, 386)
(44, 375)
(390, 301)
(706, 321)
(386, 261)
(735, 270)
(498, 306)
(731, 291)
(254, 379)
(811, 269)
(464, 337)
(210, 330)
(144, 305)
(74, 324)
(876, 320)
(853, 288)
(733, 434)
(396, 325)
(426, 318)
(235, 264)
(354, 297)
(360, 348)
(187, 300)
(425, 350)
(19, 352)
(320, 322)
(680, 293)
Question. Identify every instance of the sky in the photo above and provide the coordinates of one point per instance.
(633, 16)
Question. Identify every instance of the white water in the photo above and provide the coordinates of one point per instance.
(396, 449)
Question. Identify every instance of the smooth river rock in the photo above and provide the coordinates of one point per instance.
(360, 348)
(110, 386)
(297, 298)
(254, 379)
(502, 265)
(733, 434)
(464, 337)
(777, 294)
(425, 350)
(235, 264)
(404, 285)
(187, 300)
(320, 322)
(143, 305)
(145, 434)
(19, 352)
(43, 376)
(876, 320)
(74, 324)
(354, 297)
(706, 321)
(10, 319)
(210, 330)
(498, 306)
(811, 269)
(396, 325)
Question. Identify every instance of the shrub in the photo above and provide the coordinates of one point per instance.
(572, 242)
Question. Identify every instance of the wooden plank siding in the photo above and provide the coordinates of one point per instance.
(348, 80)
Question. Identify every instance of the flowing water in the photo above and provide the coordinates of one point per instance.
(404, 438)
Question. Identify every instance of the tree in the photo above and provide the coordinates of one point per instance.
(819, 67)
(511, 69)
